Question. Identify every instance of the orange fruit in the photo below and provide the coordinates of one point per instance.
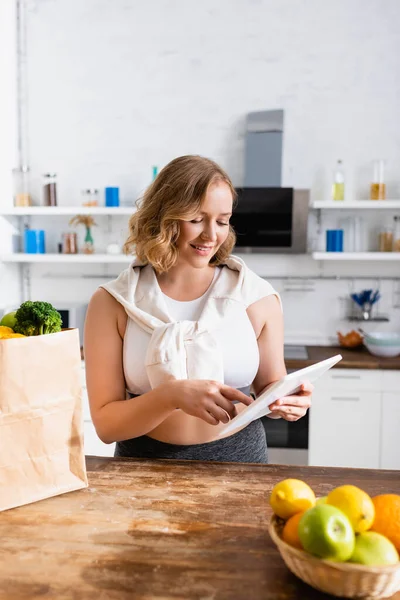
(387, 517)
(290, 533)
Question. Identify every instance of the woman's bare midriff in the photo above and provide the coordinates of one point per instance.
(180, 428)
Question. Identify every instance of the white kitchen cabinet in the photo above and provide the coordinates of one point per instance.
(345, 419)
(390, 420)
(93, 445)
(390, 430)
(355, 419)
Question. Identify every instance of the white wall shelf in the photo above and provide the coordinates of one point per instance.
(22, 211)
(356, 204)
(122, 258)
(388, 256)
(65, 258)
(57, 211)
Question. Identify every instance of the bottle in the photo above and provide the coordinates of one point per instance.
(396, 234)
(50, 189)
(21, 186)
(386, 240)
(69, 243)
(378, 187)
(338, 182)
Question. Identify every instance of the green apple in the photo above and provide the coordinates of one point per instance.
(325, 531)
(8, 320)
(374, 550)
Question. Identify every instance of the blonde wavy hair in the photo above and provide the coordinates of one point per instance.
(177, 193)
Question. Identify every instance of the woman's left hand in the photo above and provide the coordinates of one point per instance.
(292, 408)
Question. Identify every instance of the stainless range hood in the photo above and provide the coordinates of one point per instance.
(268, 217)
(263, 151)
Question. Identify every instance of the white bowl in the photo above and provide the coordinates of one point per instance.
(386, 351)
(383, 338)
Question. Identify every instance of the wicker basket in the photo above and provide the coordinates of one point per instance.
(339, 579)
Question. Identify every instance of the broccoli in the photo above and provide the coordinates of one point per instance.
(37, 318)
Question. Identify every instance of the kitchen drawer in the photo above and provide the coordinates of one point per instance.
(344, 429)
(93, 444)
(350, 379)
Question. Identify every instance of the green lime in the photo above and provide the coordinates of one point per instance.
(8, 320)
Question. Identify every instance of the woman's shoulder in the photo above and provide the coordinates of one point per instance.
(104, 308)
(253, 286)
(102, 301)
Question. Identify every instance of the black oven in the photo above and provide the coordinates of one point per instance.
(287, 434)
(268, 219)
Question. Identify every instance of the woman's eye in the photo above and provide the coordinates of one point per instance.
(220, 223)
(196, 220)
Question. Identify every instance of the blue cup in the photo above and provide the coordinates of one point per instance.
(334, 240)
(34, 241)
(112, 196)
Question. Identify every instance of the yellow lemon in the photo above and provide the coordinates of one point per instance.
(5, 330)
(291, 496)
(356, 505)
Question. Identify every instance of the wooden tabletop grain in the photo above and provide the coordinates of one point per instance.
(161, 530)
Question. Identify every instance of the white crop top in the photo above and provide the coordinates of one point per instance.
(235, 337)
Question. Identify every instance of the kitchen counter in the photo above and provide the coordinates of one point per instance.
(161, 529)
(357, 358)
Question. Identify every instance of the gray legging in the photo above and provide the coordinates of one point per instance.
(248, 445)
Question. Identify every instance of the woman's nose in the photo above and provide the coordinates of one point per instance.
(210, 232)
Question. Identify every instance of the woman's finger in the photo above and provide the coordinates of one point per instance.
(306, 388)
(304, 401)
(218, 413)
(226, 405)
(293, 412)
(208, 418)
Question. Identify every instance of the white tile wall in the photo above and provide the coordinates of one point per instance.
(116, 86)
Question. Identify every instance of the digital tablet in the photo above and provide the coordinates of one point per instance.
(286, 386)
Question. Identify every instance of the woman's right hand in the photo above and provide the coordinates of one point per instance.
(209, 400)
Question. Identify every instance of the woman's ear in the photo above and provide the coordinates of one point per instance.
(175, 229)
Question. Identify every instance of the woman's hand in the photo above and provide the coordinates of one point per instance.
(206, 399)
(292, 408)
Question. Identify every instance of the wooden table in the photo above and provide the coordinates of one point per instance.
(161, 530)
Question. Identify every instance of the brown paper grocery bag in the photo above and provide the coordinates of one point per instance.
(41, 425)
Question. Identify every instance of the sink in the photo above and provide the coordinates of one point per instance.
(295, 352)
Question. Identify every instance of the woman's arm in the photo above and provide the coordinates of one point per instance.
(267, 319)
(116, 418)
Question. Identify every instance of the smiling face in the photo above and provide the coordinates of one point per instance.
(201, 237)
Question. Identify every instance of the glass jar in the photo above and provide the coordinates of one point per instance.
(69, 243)
(21, 186)
(396, 234)
(50, 189)
(90, 197)
(338, 182)
(386, 240)
(378, 186)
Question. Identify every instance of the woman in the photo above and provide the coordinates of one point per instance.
(173, 345)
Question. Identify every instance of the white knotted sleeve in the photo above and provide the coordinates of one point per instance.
(255, 287)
